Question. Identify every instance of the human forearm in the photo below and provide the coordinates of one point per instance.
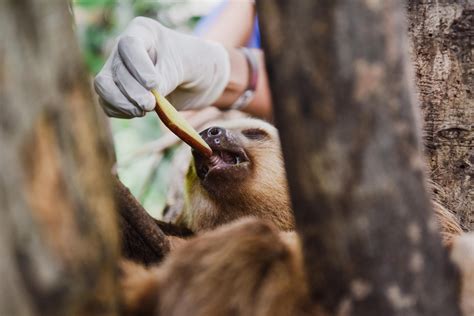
(233, 26)
(192, 73)
(239, 78)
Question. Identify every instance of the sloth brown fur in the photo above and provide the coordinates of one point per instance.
(256, 186)
(236, 265)
(246, 267)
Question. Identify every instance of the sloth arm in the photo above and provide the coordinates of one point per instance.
(244, 268)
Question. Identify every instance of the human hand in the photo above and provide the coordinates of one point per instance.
(191, 72)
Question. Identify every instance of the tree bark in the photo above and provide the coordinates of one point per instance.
(58, 233)
(341, 87)
(442, 35)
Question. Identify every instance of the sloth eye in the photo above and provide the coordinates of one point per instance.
(255, 134)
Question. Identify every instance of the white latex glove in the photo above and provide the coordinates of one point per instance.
(190, 71)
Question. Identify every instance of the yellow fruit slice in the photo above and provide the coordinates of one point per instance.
(179, 126)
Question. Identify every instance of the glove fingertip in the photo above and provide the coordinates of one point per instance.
(99, 82)
(139, 113)
(148, 102)
(149, 81)
(163, 87)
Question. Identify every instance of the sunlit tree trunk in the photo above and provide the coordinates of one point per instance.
(442, 34)
(58, 232)
(342, 91)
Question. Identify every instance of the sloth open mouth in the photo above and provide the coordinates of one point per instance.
(229, 161)
(222, 161)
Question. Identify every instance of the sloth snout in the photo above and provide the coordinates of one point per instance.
(213, 135)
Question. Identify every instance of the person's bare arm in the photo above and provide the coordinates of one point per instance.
(233, 26)
(261, 104)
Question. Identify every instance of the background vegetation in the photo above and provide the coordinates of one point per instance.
(99, 22)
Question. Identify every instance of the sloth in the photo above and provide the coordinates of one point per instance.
(246, 259)
(244, 177)
(246, 267)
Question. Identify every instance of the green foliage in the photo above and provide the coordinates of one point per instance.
(94, 3)
(95, 38)
(99, 22)
(146, 181)
(147, 8)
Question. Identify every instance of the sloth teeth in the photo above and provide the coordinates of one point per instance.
(224, 158)
(228, 157)
(220, 160)
(215, 159)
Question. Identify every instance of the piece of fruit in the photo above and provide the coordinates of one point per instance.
(179, 126)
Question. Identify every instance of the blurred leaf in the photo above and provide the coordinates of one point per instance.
(99, 22)
(192, 21)
(155, 197)
(94, 3)
(94, 62)
(147, 8)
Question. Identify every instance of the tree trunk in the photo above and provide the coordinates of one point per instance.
(442, 35)
(58, 233)
(341, 86)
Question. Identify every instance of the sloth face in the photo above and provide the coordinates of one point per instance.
(229, 160)
(245, 176)
(243, 150)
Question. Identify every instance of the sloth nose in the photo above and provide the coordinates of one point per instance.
(215, 131)
(213, 135)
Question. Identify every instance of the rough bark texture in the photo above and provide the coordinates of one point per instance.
(442, 34)
(58, 232)
(343, 100)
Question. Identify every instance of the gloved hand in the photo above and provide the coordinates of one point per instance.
(191, 72)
